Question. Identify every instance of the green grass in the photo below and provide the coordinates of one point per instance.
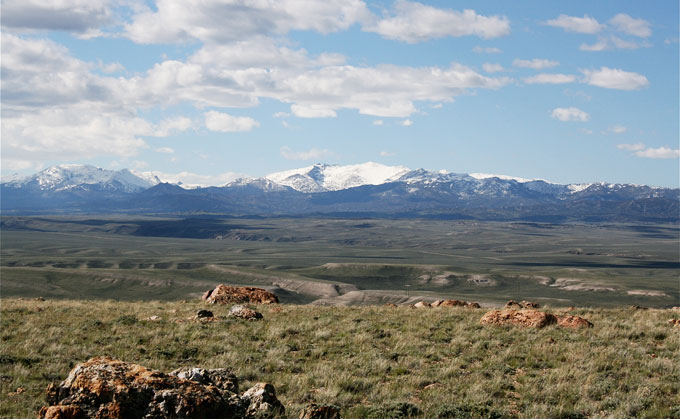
(371, 361)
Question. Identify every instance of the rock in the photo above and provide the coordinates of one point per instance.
(529, 304)
(315, 411)
(458, 303)
(436, 303)
(107, 388)
(512, 304)
(201, 314)
(39, 299)
(244, 312)
(525, 318)
(573, 322)
(636, 307)
(262, 401)
(674, 322)
(421, 304)
(224, 294)
(676, 308)
(155, 318)
(390, 305)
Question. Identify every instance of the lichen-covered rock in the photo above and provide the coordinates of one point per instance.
(244, 312)
(525, 318)
(262, 401)
(315, 411)
(573, 322)
(107, 388)
(224, 294)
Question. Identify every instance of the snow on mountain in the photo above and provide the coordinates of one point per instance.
(325, 177)
(263, 184)
(69, 176)
(505, 177)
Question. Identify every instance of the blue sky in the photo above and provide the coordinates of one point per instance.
(205, 92)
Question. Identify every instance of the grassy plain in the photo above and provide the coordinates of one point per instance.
(377, 361)
(604, 265)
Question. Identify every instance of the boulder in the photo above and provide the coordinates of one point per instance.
(513, 304)
(458, 303)
(524, 304)
(201, 314)
(525, 318)
(244, 312)
(436, 303)
(106, 388)
(421, 304)
(674, 322)
(573, 322)
(262, 401)
(315, 411)
(224, 294)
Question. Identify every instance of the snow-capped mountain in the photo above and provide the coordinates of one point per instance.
(369, 188)
(73, 176)
(325, 177)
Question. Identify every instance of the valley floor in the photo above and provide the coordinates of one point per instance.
(372, 361)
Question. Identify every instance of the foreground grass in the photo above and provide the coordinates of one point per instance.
(370, 361)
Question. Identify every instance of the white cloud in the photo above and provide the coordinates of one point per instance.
(613, 42)
(585, 24)
(659, 153)
(311, 154)
(486, 50)
(437, 106)
(78, 16)
(165, 150)
(378, 122)
(545, 78)
(312, 111)
(570, 114)
(611, 78)
(414, 22)
(536, 63)
(631, 26)
(172, 125)
(223, 122)
(406, 123)
(631, 147)
(386, 154)
(492, 68)
(111, 67)
(223, 21)
(281, 115)
(617, 129)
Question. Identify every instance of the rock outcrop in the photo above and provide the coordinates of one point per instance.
(224, 294)
(106, 388)
(524, 304)
(674, 322)
(244, 312)
(526, 318)
(421, 304)
(532, 318)
(315, 411)
(573, 322)
(458, 303)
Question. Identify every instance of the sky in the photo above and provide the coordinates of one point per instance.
(207, 91)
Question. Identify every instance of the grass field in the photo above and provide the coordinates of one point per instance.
(302, 259)
(370, 361)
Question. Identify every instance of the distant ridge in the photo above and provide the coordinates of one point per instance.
(369, 188)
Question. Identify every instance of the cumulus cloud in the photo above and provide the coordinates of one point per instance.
(536, 63)
(77, 16)
(486, 50)
(172, 125)
(659, 153)
(180, 21)
(312, 111)
(585, 24)
(613, 78)
(545, 78)
(613, 42)
(641, 150)
(406, 123)
(617, 129)
(311, 154)
(631, 147)
(492, 68)
(414, 22)
(631, 26)
(223, 122)
(570, 114)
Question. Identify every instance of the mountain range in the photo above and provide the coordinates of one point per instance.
(368, 189)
